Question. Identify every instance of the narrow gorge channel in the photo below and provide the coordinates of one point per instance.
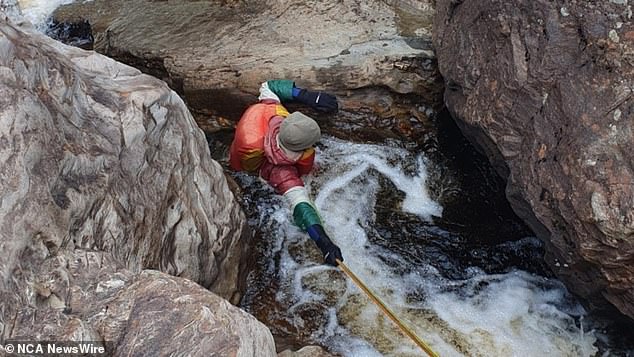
(465, 292)
(426, 224)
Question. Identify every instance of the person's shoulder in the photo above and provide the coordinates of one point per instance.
(276, 121)
(307, 154)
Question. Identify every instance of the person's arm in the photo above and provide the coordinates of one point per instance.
(286, 181)
(280, 90)
(320, 101)
(284, 90)
(306, 217)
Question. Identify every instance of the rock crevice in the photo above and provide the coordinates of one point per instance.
(545, 90)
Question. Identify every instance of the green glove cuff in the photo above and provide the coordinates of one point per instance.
(283, 88)
(305, 215)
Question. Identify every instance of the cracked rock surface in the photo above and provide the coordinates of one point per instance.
(106, 175)
(545, 89)
(217, 53)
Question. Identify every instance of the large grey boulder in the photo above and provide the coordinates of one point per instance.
(216, 53)
(545, 89)
(96, 155)
(146, 314)
(104, 173)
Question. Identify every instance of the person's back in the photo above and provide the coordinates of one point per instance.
(247, 149)
(279, 147)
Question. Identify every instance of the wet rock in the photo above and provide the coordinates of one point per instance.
(547, 95)
(216, 54)
(332, 281)
(78, 34)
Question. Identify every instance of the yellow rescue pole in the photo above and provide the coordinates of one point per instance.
(404, 328)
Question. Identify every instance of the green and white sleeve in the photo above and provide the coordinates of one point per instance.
(304, 211)
(280, 90)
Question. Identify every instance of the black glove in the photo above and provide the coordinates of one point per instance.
(329, 249)
(319, 101)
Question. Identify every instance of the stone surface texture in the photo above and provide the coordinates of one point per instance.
(146, 314)
(544, 88)
(104, 174)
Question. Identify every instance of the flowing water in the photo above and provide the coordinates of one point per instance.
(514, 313)
(38, 11)
(468, 281)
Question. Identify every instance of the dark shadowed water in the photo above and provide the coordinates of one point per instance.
(427, 227)
(432, 234)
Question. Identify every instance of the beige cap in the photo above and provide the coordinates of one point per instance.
(298, 132)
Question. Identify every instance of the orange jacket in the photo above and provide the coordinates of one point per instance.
(255, 149)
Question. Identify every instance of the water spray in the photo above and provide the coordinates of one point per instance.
(404, 328)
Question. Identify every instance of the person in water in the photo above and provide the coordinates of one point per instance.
(278, 146)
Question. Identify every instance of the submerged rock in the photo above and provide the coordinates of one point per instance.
(105, 173)
(547, 95)
(216, 54)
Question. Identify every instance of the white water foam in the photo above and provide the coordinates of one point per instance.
(356, 159)
(38, 11)
(514, 314)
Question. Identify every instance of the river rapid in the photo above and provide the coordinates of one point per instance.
(465, 287)
(457, 310)
(38, 11)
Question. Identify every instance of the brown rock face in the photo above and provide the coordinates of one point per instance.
(216, 54)
(104, 173)
(545, 89)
